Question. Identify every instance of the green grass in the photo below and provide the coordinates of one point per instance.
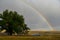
(54, 37)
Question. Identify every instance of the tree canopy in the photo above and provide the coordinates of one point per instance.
(13, 22)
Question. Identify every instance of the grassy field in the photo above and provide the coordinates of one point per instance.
(43, 36)
(50, 37)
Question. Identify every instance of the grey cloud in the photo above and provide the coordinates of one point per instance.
(49, 8)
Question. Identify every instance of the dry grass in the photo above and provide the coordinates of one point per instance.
(50, 37)
(45, 36)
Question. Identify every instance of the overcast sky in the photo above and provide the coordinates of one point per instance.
(50, 9)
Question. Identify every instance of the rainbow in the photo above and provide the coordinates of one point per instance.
(41, 15)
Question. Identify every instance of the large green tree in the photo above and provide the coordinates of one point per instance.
(13, 22)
